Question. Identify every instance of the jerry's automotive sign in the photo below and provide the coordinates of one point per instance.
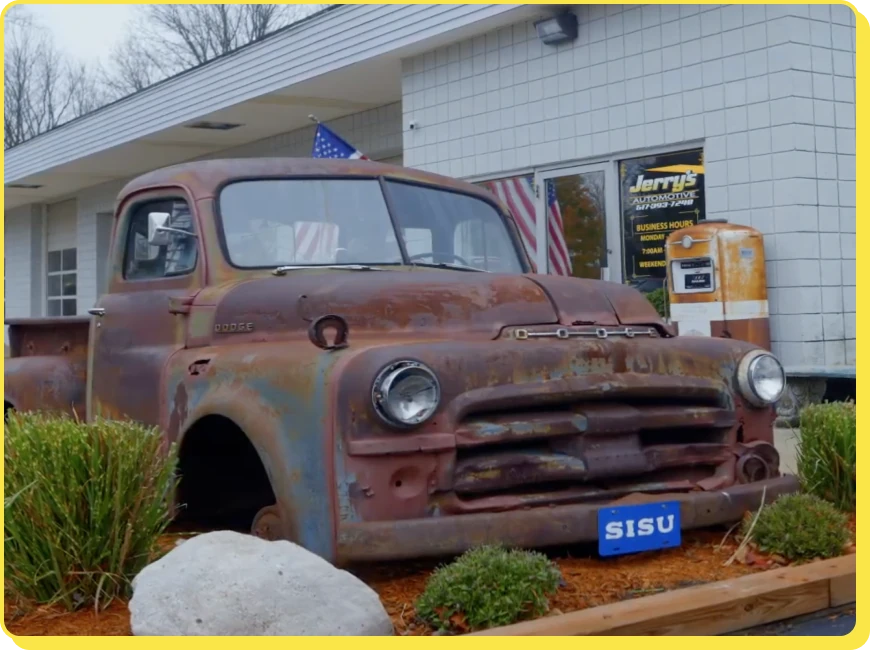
(659, 194)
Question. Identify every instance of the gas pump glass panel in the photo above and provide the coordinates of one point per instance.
(576, 225)
(693, 275)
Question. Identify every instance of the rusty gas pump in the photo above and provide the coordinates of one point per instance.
(717, 285)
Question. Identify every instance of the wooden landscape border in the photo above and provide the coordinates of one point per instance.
(711, 609)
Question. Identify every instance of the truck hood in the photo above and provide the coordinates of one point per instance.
(431, 303)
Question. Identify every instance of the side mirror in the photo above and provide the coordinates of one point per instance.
(157, 236)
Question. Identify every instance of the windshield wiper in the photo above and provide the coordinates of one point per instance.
(449, 265)
(282, 270)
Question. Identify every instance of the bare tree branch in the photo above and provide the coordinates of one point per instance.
(169, 38)
(43, 89)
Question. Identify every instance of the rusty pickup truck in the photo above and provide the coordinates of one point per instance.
(360, 358)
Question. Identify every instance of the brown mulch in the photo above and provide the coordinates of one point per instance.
(587, 582)
(56, 621)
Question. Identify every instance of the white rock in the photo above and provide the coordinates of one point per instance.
(229, 584)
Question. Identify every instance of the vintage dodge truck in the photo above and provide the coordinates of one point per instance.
(360, 358)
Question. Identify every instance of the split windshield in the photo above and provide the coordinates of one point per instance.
(318, 222)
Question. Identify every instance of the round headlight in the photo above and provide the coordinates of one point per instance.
(406, 393)
(761, 378)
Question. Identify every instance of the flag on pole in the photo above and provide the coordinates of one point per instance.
(328, 144)
(316, 243)
(519, 195)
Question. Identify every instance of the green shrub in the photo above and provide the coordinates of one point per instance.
(659, 300)
(488, 587)
(89, 501)
(827, 452)
(800, 527)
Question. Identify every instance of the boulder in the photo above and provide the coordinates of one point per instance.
(229, 584)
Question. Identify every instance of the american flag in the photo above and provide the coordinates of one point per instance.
(519, 195)
(316, 243)
(328, 144)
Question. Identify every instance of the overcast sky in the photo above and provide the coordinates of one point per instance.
(85, 31)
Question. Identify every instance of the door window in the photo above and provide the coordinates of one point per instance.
(576, 224)
(161, 241)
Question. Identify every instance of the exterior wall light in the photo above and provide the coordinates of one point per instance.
(557, 29)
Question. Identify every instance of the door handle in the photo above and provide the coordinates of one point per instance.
(97, 311)
(180, 305)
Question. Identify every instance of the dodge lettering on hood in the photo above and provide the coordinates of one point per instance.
(361, 358)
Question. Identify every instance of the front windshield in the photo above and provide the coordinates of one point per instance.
(301, 222)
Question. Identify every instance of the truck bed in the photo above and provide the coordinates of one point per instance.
(47, 363)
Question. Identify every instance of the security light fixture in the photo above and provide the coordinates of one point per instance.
(23, 186)
(213, 126)
(557, 29)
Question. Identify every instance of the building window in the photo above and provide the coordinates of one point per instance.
(62, 286)
(659, 194)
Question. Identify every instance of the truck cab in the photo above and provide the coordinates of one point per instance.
(359, 358)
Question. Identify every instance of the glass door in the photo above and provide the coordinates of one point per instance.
(572, 219)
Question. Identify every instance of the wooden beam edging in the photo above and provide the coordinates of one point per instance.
(707, 610)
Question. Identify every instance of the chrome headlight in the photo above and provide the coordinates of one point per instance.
(406, 393)
(761, 378)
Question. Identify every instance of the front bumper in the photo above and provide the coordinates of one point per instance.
(537, 527)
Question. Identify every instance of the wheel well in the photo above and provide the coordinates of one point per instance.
(7, 406)
(222, 481)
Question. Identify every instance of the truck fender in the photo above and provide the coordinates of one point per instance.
(290, 445)
(49, 384)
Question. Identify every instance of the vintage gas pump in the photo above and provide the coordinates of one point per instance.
(717, 284)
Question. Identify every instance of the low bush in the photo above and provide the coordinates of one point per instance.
(659, 300)
(88, 502)
(827, 452)
(800, 527)
(488, 587)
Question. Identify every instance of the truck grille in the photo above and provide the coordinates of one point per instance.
(589, 435)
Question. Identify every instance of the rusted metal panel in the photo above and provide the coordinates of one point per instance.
(536, 527)
(279, 394)
(558, 395)
(36, 337)
(47, 368)
(52, 384)
(582, 301)
(473, 305)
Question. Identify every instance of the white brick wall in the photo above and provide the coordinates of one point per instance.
(769, 90)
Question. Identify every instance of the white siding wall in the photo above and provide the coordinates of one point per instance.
(769, 90)
(22, 263)
(92, 201)
(62, 225)
(19, 271)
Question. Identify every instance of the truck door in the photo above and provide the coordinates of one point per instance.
(155, 269)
